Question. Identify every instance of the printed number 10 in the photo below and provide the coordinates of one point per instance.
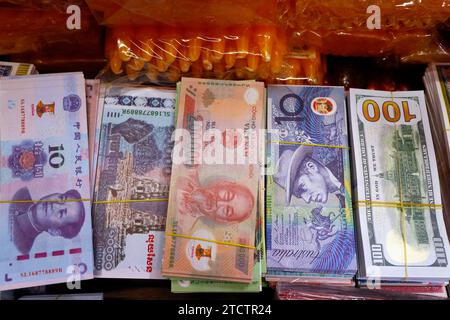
(390, 110)
(56, 157)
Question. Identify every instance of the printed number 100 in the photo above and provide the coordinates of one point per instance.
(390, 110)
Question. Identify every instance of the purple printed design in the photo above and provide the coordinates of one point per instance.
(321, 225)
(5, 70)
(27, 160)
(58, 217)
(72, 103)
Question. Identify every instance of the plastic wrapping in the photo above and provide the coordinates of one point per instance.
(36, 31)
(374, 74)
(409, 29)
(190, 13)
(160, 41)
(415, 31)
(40, 4)
(352, 15)
(437, 84)
(166, 54)
(35, 28)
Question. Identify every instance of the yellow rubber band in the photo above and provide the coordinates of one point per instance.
(209, 240)
(130, 200)
(310, 144)
(398, 204)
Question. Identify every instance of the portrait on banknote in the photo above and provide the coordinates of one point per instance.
(220, 200)
(57, 214)
(302, 174)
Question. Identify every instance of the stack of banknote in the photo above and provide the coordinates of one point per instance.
(133, 162)
(10, 69)
(437, 84)
(45, 221)
(399, 214)
(213, 208)
(92, 102)
(196, 285)
(310, 230)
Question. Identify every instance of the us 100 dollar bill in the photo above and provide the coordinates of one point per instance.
(398, 192)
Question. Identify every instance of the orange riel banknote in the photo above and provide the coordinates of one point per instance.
(211, 219)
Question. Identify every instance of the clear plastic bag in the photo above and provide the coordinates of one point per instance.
(190, 14)
(160, 41)
(409, 29)
(36, 31)
(351, 15)
(279, 41)
(164, 55)
(33, 26)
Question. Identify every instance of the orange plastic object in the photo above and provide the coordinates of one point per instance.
(351, 15)
(339, 27)
(258, 52)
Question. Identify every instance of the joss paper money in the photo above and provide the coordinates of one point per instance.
(310, 226)
(211, 221)
(398, 195)
(132, 181)
(45, 220)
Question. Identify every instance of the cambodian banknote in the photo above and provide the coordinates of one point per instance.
(398, 195)
(310, 226)
(45, 221)
(132, 181)
(211, 220)
(16, 69)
